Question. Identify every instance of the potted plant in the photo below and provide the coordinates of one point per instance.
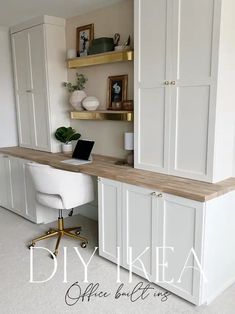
(77, 91)
(66, 136)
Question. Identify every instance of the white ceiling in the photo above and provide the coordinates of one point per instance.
(13, 12)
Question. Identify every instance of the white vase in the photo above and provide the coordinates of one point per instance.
(67, 148)
(76, 99)
(90, 103)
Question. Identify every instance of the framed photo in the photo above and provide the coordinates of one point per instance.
(117, 89)
(85, 34)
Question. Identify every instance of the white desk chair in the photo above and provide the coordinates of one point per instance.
(61, 190)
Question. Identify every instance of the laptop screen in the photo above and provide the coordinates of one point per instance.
(83, 149)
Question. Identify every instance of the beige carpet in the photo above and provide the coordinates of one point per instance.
(18, 296)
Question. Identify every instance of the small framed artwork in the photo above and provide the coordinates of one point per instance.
(85, 34)
(117, 89)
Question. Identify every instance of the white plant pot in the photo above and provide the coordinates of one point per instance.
(76, 99)
(67, 148)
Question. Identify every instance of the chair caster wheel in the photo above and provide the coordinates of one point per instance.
(55, 254)
(78, 231)
(31, 245)
(83, 245)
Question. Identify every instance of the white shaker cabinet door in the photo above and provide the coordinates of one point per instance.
(151, 91)
(5, 182)
(180, 230)
(23, 88)
(18, 186)
(39, 88)
(109, 211)
(194, 79)
(138, 210)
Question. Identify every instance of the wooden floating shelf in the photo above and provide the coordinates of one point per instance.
(103, 115)
(101, 58)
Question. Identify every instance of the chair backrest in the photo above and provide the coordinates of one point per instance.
(74, 188)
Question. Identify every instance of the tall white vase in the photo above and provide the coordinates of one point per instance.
(76, 99)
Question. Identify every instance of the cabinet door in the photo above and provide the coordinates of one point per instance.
(18, 186)
(23, 88)
(151, 94)
(109, 211)
(39, 88)
(194, 73)
(31, 88)
(138, 210)
(5, 183)
(180, 226)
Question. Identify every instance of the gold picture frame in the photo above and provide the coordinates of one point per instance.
(117, 89)
(85, 34)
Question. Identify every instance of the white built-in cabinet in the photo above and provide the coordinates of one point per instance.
(184, 95)
(192, 239)
(17, 192)
(142, 219)
(40, 68)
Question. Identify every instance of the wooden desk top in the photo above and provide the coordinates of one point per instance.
(105, 167)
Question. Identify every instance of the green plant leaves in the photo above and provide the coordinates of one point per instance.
(66, 135)
(79, 84)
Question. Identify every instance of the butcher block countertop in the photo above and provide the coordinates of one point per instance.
(103, 166)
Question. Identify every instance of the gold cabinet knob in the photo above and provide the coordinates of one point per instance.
(159, 195)
(153, 194)
(166, 82)
(172, 82)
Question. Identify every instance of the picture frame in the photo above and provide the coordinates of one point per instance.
(84, 36)
(117, 89)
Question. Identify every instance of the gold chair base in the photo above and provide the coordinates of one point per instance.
(59, 233)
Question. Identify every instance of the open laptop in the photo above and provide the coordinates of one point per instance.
(81, 154)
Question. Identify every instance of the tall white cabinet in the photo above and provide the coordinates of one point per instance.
(40, 68)
(184, 95)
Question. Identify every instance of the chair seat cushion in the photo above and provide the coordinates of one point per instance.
(50, 200)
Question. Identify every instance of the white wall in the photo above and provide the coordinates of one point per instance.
(118, 18)
(8, 133)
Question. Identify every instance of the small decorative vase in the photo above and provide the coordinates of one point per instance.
(90, 103)
(67, 148)
(76, 99)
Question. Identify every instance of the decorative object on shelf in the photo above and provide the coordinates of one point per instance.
(85, 35)
(117, 89)
(116, 105)
(116, 39)
(129, 145)
(125, 46)
(101, 45)
(90, 103)
(76, 90)
(127, 105)
(122, 48)
(66, 136)
(71, 53)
